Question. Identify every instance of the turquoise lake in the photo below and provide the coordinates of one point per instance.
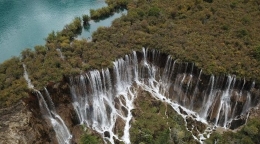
(26, 23)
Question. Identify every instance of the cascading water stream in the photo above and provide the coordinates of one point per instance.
(60, 53)
(49, 113)
(104, 99)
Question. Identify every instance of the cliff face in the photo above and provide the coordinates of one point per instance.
(24, 122)
(105, 101)
(60, 95)
(21, 124)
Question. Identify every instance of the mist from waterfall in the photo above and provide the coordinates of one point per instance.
(103, 98)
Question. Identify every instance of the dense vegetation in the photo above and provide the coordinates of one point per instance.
(249, 134)
(88, 138)
(12, 85)
(155, 122)
(219, 36)
(109, 10)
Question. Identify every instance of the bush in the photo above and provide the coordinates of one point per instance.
(154, 11)
(242, 33)
(90, 139)
(249, 134)
(257, 52)
(85, 19)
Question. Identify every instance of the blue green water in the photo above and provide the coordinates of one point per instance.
(25, 23)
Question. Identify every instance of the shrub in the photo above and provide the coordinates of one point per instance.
(154, 11)
(89, 139)
(242, 33)
(85, 19)
(257, 52)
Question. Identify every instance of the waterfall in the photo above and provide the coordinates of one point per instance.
(104, 98)
(48, 111)
(99, 104)
(26, 77)
(60, 53)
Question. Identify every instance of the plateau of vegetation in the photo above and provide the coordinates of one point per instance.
(221, 37)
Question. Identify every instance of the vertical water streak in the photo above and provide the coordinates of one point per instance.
(49, 113)
(195, 91)
(224, 107)
(101, 98)
(189, 84)
(166, 76)
(248, 103)
(51, 104)
(26, 77)
(208, 99)
(62, 133)
(60, 53)
(108, 102)
(238, 98)
(135, 66)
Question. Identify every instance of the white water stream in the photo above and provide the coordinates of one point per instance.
(49, 113)
(101, 98)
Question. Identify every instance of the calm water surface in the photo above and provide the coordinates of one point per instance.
(25, 23)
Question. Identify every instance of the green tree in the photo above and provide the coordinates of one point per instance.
(90, 139)
(257, 52)
(154, 11)
(85, 19)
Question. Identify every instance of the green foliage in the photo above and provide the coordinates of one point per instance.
(223, 44)
(161, 118)
(257, 53)
(117, 3)
(40, 50)
(90, 139)
(242, 33)
(73, 29)
(51, 37)
(147, 25)
(246, 20)
(85, 19)
(12, 84)
(101, 13)
(109, 10)
(164, 137)
(225, 27)
(249, 134)
(154, 11)
(233, 5)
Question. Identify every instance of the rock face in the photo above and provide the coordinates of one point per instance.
(24, 122)
(20, 125)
